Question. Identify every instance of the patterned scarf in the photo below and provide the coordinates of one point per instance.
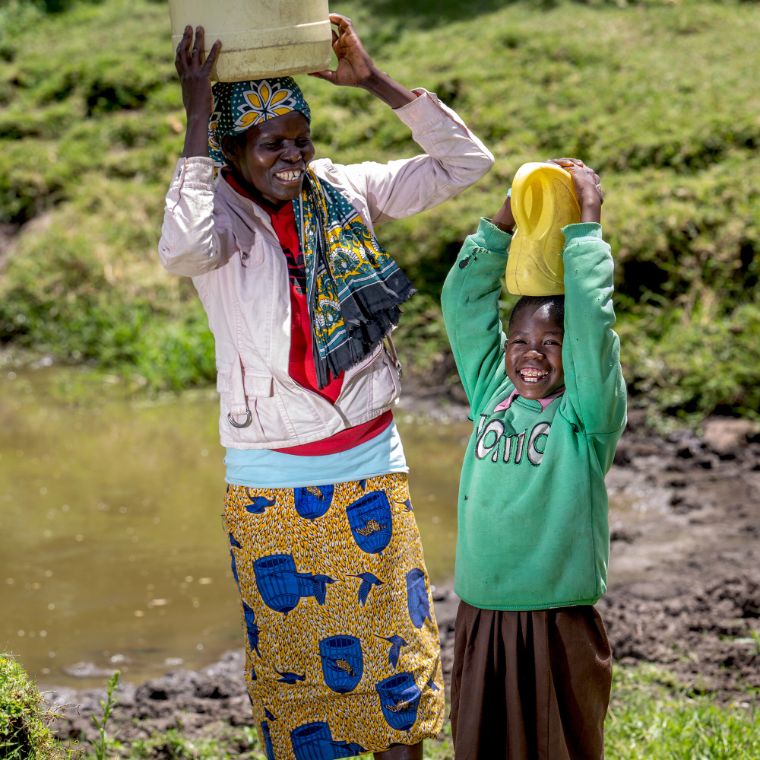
(354, 288)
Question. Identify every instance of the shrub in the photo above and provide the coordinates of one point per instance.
(24, 731)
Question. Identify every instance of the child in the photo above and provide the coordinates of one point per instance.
(532, 664)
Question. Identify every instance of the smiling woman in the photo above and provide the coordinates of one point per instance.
(302, 298)
(261, 129)
(274, 156)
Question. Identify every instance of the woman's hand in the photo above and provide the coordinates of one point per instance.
(588, 187)
(357, 69)
(194, 69)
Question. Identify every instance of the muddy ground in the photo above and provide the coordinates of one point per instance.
(684, 588)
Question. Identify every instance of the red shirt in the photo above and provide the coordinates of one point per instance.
(301, 360)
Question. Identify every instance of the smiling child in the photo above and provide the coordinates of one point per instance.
(532, 664)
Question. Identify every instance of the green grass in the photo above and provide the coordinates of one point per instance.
(24, 731)
(659, 96)
(650, 716)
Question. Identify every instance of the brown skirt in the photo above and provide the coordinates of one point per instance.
(530, 685)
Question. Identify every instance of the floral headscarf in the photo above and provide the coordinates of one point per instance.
(241, 105)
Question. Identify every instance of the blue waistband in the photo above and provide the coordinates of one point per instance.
(263, 468)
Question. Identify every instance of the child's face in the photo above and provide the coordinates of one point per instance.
(533, 352)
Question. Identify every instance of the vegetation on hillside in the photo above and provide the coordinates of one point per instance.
(660, 97)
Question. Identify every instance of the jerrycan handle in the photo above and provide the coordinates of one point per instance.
(533, 203)
(543, 202)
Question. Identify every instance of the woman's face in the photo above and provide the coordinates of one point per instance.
(273, 157)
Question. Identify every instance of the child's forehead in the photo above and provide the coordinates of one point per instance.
(545, 316)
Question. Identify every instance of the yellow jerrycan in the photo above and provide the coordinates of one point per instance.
(543, 202)
(260, 38)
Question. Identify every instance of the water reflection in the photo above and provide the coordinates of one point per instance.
(112, 552)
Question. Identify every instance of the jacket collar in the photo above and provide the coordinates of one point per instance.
(239, 203)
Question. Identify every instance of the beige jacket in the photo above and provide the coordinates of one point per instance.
(226, 243)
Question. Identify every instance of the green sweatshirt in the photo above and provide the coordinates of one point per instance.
(532, 513)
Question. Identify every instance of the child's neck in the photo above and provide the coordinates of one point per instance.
(544, 402)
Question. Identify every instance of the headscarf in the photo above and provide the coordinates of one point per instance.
(354, 288)
(240, 105)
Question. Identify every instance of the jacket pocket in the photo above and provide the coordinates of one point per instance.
(385, 382)
(258, 386)
(268, 407)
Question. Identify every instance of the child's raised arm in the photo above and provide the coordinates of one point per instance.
(470, 302)
(591, 349)
(504, 218)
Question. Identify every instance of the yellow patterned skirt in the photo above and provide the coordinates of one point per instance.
(342, 653)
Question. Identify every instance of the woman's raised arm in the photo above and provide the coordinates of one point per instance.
(194, 69)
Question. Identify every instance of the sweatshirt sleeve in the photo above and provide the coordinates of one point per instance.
(194, 237)
(591, 349)
(453, 159)
(470, 302)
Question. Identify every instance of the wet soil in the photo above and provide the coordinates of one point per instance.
(685, 567)
(684, 589)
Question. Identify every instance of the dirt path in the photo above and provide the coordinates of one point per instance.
(684, 588)
(685, 569)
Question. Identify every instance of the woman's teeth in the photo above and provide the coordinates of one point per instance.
(291, 175)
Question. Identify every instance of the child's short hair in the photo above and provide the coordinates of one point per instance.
(556, 306)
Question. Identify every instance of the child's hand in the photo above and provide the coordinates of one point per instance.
(587, 187)
(503, 218)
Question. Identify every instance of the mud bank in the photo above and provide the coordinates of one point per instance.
(684, 589)
(685, 568)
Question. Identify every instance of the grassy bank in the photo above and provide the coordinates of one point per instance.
(649, 717)
(24, 729)
(660, 97)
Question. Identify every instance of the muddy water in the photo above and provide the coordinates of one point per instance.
(112, 553)
(111, 548)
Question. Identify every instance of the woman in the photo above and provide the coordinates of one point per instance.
(342, 651)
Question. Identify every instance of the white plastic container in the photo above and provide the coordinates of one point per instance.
(260, 38)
